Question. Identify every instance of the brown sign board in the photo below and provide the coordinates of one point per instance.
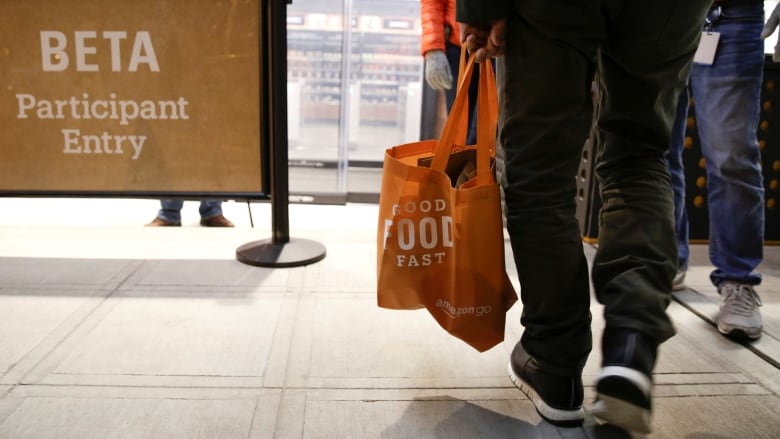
(130, 97)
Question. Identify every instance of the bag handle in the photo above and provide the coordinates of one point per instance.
(463, 127)
(487, 120)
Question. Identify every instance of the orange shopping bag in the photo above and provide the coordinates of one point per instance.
(439, 246)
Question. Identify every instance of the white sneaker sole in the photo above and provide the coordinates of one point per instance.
(619, 412)
(739, 331)
(549, 413)
(622, 414)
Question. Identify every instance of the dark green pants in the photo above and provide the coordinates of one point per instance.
(642, 52)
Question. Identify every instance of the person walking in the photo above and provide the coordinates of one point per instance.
(549, 51)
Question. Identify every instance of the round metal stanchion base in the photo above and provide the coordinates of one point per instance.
(294, 253)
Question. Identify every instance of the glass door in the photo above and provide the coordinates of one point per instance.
(386, 85)
(354, 89)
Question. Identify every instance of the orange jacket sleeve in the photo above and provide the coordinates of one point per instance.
(435, 15)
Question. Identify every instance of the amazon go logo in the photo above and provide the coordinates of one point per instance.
(417, 236)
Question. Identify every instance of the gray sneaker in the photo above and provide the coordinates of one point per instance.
(739, 316)
(678, 283)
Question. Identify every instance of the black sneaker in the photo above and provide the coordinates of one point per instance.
(624, 386)
(557, 398)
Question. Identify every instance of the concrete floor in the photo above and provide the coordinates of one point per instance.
(112, 330)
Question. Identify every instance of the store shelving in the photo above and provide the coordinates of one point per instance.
(385, 59)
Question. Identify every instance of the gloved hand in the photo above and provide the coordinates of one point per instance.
(769, 28)
(437, 70)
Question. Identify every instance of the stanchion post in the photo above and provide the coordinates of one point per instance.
(280, 250)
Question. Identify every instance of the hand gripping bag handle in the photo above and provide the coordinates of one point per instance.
(487, 120)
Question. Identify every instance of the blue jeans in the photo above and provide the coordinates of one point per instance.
(727, 98)
(171, 209)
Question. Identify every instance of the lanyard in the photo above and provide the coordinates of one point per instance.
(712, 18)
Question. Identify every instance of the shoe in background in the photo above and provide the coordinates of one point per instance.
(739, 316)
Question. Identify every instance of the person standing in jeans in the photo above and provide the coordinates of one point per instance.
(210, 214)
(726, 89)
(550, 50)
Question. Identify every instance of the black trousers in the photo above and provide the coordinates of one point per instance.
(642, 52)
